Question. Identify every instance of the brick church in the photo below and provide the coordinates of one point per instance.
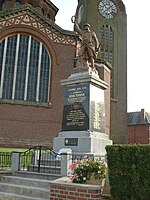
(36, 54)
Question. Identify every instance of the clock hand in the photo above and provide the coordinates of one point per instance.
(103, 7)
(111, 6)
(114, 10)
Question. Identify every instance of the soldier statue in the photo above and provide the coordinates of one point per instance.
(89, 44)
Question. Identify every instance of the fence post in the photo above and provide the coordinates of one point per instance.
(15, 162)
(66, 161)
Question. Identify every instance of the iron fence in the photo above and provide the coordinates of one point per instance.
(40, 159)
(5, 160)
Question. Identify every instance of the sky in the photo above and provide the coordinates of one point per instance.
(138, 44)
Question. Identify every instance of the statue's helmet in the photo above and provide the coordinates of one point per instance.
(86, 24)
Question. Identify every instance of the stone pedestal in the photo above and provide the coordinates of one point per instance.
(83, 124)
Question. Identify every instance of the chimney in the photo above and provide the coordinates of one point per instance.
(142, 115)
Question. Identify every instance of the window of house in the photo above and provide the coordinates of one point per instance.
(25, 67)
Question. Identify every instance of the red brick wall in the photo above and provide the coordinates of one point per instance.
(138, 134)
(28, 125)
(70, 191)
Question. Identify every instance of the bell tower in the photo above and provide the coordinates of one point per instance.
(108, 20)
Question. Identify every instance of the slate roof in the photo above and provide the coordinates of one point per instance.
(148, 117)
(134, 118)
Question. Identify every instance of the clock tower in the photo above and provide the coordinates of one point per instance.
(108, 20)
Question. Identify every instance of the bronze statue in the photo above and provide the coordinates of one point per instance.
(89, 45)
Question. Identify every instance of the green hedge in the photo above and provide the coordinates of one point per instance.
(129, 171)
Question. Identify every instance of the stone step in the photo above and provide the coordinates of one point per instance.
(24, 190)
(26, 181)
(45, 169)
(36, 175)
(12, 196)
(24, 185)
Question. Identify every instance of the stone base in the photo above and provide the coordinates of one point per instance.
(85, 142)
(88, 69)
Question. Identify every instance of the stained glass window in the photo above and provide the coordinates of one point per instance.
(25, 67)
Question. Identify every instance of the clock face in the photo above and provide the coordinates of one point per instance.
(107, 8)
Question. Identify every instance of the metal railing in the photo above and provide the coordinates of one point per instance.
(40, 159)
(36, 159)
(5, 160)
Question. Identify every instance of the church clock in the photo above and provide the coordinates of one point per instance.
(107, 9)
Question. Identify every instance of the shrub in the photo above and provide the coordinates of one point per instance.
(82, 170)
(129, 171)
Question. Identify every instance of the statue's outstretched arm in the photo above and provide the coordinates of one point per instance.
(76, 26)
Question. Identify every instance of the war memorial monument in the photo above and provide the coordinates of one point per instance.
(83, 123)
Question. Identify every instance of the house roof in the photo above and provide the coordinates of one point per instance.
(135, 118)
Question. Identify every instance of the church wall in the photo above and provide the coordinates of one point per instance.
(27, 125)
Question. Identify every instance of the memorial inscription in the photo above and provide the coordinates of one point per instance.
(84, 108)
(97, 110)
(76, 111)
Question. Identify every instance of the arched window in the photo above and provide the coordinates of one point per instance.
(3, 5)
(107, 38)
(107, 43)
(17, 3)
(25, 67)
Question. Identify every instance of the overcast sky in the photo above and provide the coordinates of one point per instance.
(138, 36)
